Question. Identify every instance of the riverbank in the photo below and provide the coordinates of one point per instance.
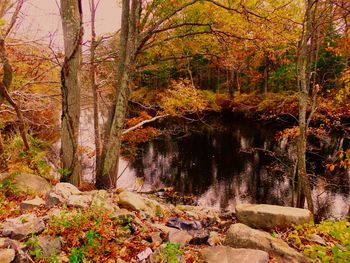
(62, 224)
(279, 107)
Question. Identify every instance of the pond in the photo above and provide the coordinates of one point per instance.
(225, 161)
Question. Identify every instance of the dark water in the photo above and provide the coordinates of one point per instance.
(227, 162)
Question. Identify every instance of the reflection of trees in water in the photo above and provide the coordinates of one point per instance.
(221, 166)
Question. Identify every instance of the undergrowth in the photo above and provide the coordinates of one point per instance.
(334, 234)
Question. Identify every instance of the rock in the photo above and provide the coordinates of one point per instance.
(174, 235)
(21, 256)
(61, 193)
(215, 239)
(140, 204)
(316, 239)
(224, 254)
(79, 201)
(123, 216)
(200, 212)
(2, 242)
(199, 237)
(7, 255)
(50, 246)
(156, 238)
(100, 200)
(270, 216)
(242, 236)
(30, 204)
(53, 199)
(179, 237)
(28, 183)
(183, 224)
(132, 201)
(144, 254)
(22, 226)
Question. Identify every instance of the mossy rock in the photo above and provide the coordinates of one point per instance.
(29, 183)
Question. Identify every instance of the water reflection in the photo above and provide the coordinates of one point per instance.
(218, 164)
(221, 169)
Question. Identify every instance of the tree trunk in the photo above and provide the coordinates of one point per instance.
(304, 70)
(107, 172)
(94, 87)
(71, 14)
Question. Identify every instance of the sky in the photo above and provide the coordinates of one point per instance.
(40, 20)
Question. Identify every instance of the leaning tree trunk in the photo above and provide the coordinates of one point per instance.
(107, 172)
(71, 14)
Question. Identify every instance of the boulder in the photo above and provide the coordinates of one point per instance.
(225, 254)
(79, 201)
(140, 204)
(30, 204)
(242, 236)
(23, 226)
(174, 235)
(30, 183)
(270, 216)
(50, 246)
(61, 193)
(19, 247)
(7, 255)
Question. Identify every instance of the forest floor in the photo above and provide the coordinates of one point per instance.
(120, 226)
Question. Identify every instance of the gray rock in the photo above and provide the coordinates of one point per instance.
(53, 199)
(50, 246)
(242, 236)
(7, 255)
(61, 193)
(79, 201)
(30, 204)
(174, 235)
(224, 254)
(22, 226)
(269, 216)
(28, 183)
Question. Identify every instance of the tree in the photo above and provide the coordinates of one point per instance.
(94, 86)
(306, 63)
(71, 15)
(6, 82)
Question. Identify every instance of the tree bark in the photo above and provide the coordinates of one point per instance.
(107, 172)
(71, 14)
(94, 88)
(304, 71)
